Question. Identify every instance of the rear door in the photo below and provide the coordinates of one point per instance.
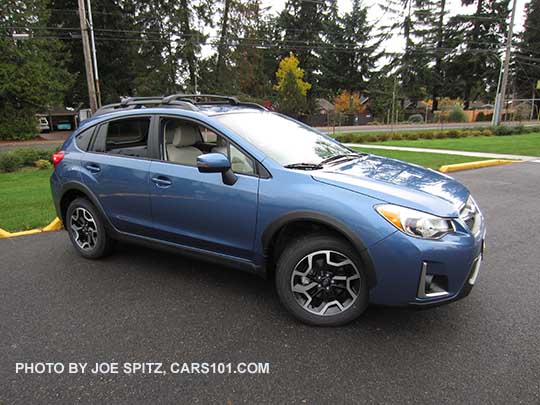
(116, 167)
(197, 209)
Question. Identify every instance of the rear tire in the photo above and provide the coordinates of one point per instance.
(321, 280)
(87, 230)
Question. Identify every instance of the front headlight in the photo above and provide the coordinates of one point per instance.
(415, 223)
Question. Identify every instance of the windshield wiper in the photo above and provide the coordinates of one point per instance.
(347, 156)
(304, 166)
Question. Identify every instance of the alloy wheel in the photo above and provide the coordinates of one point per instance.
(325, 282)
(84, 228)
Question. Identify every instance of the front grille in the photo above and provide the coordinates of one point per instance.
(470, 215)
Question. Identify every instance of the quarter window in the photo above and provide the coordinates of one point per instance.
(83, 139)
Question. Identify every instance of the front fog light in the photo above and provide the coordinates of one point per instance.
(415, 223)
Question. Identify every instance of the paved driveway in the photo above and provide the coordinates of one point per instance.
(141, 305)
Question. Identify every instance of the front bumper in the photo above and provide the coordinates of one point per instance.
(405, 268)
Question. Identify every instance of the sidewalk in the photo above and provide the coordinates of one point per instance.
(445, 152)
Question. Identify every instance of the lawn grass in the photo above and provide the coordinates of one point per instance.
(25, 200)
(527, 145)
(431, 160)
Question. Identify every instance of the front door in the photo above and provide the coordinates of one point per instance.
(197, 209)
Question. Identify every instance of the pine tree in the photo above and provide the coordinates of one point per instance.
(302, 25)
(350, 59)
(472, 68)
(527, 58)
(412, 19)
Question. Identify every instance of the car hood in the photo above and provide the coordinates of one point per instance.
(398, 182)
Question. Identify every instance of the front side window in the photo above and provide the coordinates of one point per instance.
(128, 137)
(284, 140)
(184, 141)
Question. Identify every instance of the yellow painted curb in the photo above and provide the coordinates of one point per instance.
(55, 225)
(475, 165)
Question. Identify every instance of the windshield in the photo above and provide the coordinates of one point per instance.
(282, 139)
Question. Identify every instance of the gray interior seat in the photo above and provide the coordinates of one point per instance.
(179, 141)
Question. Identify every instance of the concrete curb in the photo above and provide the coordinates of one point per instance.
(55, 225)
(475, 165)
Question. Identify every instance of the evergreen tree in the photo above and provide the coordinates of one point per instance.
(472, 68)
(349, 60)
(33, 77)
(414, 20)
(302, 24)
(116, 47)
(527, 57)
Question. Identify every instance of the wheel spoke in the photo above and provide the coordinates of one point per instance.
(84, 228)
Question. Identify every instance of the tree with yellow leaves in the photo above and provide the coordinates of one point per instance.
(349, 102)
(291, 87)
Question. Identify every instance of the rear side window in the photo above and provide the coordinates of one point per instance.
(128, 137)
(84, 138)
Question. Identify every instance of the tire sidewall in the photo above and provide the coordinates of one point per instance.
(292, 255)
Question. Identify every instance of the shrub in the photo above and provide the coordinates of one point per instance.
(487, 132)
(441, 135)
(42, 164)
(18, 158)
(346, 138)
(383, 137)
(476, 132)
(412, 137)
(427, 135)
(452, 134)
(416, 119)
(10, 162)
(457, 115)
(396, 137)
(464, 134)
(502, 130)
(370, 138)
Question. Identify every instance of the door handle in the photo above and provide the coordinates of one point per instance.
(93, 168)
(162, 181)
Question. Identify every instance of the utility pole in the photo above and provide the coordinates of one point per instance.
(501, 95)
(94, 57)
(87, 57)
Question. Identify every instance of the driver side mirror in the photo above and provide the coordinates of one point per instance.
(217, 163)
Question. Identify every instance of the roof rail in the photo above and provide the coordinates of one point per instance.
(184, 101)
(211, 99)
(143, 102)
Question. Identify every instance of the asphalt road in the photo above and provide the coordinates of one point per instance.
(145, 306)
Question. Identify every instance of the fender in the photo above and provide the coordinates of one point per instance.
(329, 221)
(76, 185)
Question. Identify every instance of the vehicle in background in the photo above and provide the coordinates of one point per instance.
(43, 125)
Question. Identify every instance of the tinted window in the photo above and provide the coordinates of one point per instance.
(83, 139)
(128, 137)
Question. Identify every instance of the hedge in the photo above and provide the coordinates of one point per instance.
(452, 133)
(19, 158)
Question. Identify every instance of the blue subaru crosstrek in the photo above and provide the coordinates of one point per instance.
(248, 188)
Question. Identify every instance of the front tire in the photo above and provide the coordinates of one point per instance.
(321, 280)
(86, 230)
